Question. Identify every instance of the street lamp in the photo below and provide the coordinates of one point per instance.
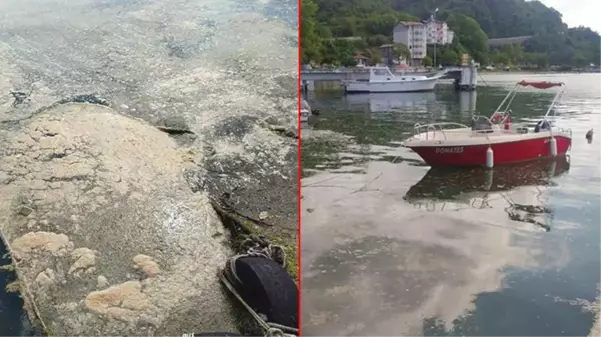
(435, 36)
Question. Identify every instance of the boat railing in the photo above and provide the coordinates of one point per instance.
(483, 132)
(434, 128)
(476, 118)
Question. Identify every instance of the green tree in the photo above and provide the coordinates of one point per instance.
(497, 18)
(448, 57)
(374, 55)
(500, 58)
(542, 61)
(378, 24)
(401, 51)
(579, 60)
(344, 26)
(473, 22)
(469, 35)
(378, 40)
(339, 52)
(427, 61)
(323, 32)
(310, 41)
(348, 61)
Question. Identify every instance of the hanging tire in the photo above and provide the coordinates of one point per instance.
(267, 288)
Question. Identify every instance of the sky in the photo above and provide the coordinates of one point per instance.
(578, 12)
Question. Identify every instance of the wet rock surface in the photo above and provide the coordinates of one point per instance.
(115, 205)
(236, 91)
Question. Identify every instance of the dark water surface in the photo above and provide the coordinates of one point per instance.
(13, 320)
(392, 247)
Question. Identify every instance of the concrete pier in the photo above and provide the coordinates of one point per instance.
(466, 77)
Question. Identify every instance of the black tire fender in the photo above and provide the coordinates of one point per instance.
(267, 288)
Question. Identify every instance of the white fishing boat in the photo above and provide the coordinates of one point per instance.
(381, 79)
(305, 111)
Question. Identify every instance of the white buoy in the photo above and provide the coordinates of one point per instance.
(553, 145)
(489, 158)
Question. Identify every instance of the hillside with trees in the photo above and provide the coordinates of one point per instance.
(366, 24)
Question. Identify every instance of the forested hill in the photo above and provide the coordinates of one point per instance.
(496, 18)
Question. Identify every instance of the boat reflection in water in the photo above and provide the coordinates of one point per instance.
(455, 189)
(384, 102)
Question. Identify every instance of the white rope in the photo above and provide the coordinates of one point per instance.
(270, 329)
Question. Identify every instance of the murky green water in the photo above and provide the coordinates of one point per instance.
(391, 247)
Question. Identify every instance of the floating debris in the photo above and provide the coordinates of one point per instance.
(86, 98)
(13, 287)
(20, 97)
(589, 136)
(25, 210)
(174, 125)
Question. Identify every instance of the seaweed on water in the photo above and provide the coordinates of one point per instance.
(8, 267)
(242, 227)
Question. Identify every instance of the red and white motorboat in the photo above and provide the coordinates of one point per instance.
(491, 141)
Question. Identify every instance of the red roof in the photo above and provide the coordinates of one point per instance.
(540, 85)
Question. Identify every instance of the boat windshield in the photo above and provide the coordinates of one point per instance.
(381, 72)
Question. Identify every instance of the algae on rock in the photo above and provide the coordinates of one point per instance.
(114, 202)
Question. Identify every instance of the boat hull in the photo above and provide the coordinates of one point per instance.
(391, 86)
(304, 115)
(503, 152)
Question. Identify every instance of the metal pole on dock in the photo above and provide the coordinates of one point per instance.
(435, 38)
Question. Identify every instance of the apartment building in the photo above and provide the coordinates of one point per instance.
(438, 32)
(417, 35)
(414, 36)
(450, 36)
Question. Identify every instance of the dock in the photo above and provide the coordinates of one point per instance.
(465, 77)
